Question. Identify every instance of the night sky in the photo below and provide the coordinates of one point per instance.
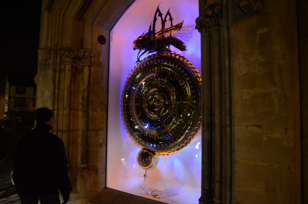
(20, 22)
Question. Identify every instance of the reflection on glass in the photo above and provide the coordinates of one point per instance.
(197, 145)
(156, 193)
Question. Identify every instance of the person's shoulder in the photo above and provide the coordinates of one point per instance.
(55, 138)
(27, 136)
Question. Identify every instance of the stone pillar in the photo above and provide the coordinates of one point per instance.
(45, 29)
(213, 106)
(45, 74)
(68, 55)
(83, 173)
(203, 25)
(44, 95)
(215, 13)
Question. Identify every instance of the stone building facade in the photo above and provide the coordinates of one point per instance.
(254, 98)
(20, 100)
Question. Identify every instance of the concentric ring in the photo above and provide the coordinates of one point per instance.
(160, 103)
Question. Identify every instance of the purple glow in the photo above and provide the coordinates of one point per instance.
(172, 170)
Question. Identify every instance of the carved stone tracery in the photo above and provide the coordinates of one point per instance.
(249, 7)
(210, 19)
(244, 8)
(44, 55)
(203, 25)
(68, 55)
(214, 13)
(86, 55)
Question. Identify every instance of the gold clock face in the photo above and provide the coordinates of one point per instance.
(160, 103)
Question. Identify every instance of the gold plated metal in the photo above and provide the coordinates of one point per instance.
(160, 103)
(147, 159)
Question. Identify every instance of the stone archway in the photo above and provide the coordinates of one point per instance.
(73, 81)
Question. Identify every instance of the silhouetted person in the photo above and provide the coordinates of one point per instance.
(40, 167)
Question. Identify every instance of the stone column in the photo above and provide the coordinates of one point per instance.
(215, 13)
(208, 25)
(45, 74)
(44, 79)
(68, 55)
(203, 25)
(83, 173)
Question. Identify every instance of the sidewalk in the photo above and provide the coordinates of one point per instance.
(8, 143)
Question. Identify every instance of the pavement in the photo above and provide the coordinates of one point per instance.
(8, 144)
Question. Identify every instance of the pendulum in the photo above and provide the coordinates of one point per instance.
(147, 160)
(145, 175)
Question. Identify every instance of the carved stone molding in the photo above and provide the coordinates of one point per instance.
(44, 55)
(68, 55)
(203, 25)
(244, 8)
(210, 18)
(86, 55)
(214, 13)
(249, 7)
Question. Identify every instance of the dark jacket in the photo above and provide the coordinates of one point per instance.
(40, 165)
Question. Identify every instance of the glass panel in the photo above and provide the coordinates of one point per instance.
(177, 177)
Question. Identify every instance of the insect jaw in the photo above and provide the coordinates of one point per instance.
(136, 45)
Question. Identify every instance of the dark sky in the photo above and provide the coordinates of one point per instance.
(20, 22)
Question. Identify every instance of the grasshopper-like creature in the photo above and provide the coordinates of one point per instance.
(160, 41)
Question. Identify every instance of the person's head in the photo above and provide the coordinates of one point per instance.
(45, 116)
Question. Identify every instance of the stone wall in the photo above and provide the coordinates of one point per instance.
(266, 105)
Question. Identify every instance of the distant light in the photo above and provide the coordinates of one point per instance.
(196, 155)
(147, 125)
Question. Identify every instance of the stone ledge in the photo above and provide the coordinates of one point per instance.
(111, 196)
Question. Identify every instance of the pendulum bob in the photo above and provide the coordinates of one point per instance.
(147, 159)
